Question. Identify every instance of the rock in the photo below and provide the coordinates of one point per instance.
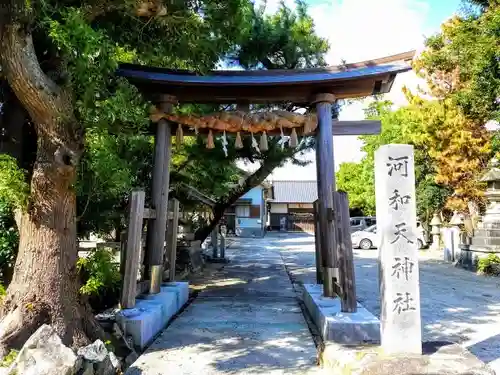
(87, 369)
(45, 354)
(114, 361)
(100, 360)
(94, 353)
(107, 318)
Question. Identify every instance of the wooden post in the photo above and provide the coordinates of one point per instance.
(326, 187)
(344, 246)
(134, 231)
(223, 242)
(215, 232)
(319, 262)
(160, 223)
(123, 252)
(172, 239)
(162, 128)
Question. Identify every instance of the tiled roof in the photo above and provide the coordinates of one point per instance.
(294, 191)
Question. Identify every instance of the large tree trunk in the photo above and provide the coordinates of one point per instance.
(250, 182)
(44, 288)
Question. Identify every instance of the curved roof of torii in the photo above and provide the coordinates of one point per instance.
(264, 86)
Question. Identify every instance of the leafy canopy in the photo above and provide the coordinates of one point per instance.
(462, 62)
(119, 149)
(447, 161)
(462, 70)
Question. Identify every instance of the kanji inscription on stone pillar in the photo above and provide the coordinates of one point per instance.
(400, 320)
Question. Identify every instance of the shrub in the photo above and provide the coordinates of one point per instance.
(101, 279)
(9, 358)
(2, 292)
(9, 241)
(489, 265)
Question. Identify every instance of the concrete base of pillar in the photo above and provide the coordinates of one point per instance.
(180, 288)
(152, 312)
(343, 328)
(441, 358)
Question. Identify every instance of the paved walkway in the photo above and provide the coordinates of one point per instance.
(457, 305)
(246, 321)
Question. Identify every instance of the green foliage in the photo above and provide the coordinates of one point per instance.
(101, 278)
(404, 125)
(80, 45)
(9, 241)
(102, 99)
(9, 359)
(461, 62)
(112, 165)
(285, 40)
(13, 187)
(489, 265)
(2, 292)
(357, 180)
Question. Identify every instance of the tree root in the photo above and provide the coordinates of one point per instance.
(19, 323)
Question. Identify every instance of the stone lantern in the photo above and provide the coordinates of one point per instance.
(486, 239)
(436, 231)
(491, 218)
(457, 220)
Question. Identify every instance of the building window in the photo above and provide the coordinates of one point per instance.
(255, 211)
(243, 211)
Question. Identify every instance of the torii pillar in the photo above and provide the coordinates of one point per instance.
(326, 186)
(159, 198)
(333, 234)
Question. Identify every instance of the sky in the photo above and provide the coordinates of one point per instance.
(359, 30)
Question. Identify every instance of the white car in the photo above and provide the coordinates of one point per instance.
(367, 239)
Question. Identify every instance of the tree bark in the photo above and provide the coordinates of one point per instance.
(250, 182)
(44, 287)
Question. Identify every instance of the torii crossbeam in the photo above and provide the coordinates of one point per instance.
(308, 87)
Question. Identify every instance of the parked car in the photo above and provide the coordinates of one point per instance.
(367, 239)
(362, 222)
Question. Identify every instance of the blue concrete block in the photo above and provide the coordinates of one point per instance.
(181, 289)
(139, 323)
(150, 305)
(152, 312)
(168, 300)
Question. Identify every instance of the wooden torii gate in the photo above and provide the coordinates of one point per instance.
(318, 88)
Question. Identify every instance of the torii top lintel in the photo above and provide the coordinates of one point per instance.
(267, 86)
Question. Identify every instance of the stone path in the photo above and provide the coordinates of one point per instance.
(457, 305)
(246, 321)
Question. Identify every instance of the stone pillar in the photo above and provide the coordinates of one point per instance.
(436, 232)
(400, 321)
(456, 222)
(223, 232)
(214, 240)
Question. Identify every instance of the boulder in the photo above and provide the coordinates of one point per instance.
(94, 353)
(45, 354)
(99, 359)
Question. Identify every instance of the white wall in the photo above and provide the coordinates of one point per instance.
(279, 208)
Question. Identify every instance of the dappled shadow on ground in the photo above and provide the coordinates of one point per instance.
(245, 319)
(456, 305)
